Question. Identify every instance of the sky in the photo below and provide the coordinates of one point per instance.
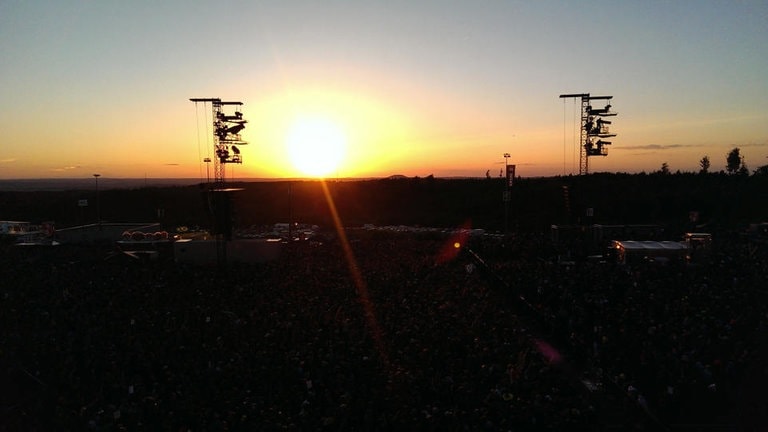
(417, 88)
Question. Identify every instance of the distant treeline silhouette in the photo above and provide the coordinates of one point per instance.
(721, 201)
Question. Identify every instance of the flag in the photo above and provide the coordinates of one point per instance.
(510, 175)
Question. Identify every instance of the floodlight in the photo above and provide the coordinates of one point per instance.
(234, 130)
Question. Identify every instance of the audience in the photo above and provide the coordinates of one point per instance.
(513, 342)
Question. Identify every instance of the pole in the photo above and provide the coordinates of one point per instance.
(506, 193)
(98, 204)
(290, 214)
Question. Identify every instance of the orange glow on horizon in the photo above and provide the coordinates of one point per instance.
(371, 131)
(393, 129)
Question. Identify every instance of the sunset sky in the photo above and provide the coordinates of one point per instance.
(415, 87)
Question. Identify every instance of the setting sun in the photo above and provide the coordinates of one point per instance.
(316, 145)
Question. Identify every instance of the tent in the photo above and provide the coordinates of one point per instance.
(633, 251)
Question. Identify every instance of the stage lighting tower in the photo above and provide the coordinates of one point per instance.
(226, 134)
(593, 128)
(226, 139)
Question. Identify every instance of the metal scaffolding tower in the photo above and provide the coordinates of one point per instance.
(226, 136)
(226, 139)
(593, 128)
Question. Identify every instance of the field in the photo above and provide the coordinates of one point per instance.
(393, 330)
(722, 202)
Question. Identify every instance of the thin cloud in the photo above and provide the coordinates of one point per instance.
(7, 160)
(752, 145)
(656, 147)
(66, 168)
(171, 164)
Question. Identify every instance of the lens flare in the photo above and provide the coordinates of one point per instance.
(357, 277)
(450, 250)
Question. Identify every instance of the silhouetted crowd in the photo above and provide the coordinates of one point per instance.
(397, 332)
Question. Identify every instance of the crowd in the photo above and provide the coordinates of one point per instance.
(685, 343)
(393, 336)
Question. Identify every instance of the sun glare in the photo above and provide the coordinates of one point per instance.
(316, 146)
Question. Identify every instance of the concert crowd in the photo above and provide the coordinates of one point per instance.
(396, 332)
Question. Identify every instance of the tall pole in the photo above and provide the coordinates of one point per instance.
(506, 192)
(289, 239)
(98, 204)
(207, 170)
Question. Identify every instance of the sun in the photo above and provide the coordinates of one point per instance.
(316, 145)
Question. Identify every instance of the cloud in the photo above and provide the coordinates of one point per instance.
(657, 147)
(754, 144)
(171, 164)
(66, 168)
(8, 160)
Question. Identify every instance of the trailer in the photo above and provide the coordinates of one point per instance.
(634, 252)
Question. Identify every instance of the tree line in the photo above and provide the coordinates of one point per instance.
(722, 200)
(734, 165)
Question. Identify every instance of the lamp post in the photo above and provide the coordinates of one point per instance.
(207, 167)
(98, 206)
(507, 192)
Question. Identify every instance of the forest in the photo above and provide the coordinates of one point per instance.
(721, 201)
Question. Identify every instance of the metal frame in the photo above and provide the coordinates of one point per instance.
(226, 135)
(587, 146)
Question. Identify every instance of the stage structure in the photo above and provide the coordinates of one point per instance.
(226, 139)
(594, 127)
(226, 136)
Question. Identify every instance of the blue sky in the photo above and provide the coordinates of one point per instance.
(429, 87)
